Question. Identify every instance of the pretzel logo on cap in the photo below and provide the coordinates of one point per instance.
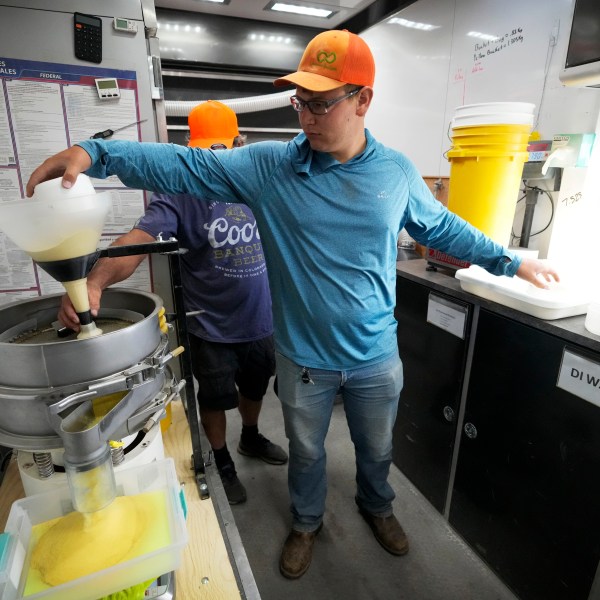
(326, 57)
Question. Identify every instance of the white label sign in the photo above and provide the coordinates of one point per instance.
(580, 376)
(447, 315)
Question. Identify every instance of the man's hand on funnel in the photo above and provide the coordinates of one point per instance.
(67, 164)
(67, 315)
(538, 272)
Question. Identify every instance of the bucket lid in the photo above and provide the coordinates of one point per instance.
(493, 113)
(495, 107)
(515, 118)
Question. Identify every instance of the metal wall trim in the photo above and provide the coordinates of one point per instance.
(462, 407)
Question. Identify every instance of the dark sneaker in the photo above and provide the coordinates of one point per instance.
(388, 532)
(296, 554)
(234, 490)
(264, 449)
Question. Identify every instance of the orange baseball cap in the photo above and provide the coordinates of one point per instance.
(333, 59)
(212, 122)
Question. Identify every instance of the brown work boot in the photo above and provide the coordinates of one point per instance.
(297, 553)
(388, 532)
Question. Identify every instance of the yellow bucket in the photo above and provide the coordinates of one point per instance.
(484, 187)
(488, 148)
(463, 138)
(506, 138)
(514, 132)
(486, 166)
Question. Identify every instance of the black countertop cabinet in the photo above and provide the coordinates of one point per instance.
(434, 363)
(523, 482)
(527, 489)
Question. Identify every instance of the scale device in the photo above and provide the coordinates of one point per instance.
(108, 88)
(437, 258)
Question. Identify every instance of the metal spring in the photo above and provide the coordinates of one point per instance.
(117, 454)
(45, 466)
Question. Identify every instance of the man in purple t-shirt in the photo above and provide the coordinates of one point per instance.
(224, 275)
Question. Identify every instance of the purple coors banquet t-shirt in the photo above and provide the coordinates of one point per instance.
(224, 270)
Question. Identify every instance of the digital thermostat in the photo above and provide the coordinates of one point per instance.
(108, 87)
(124, 25)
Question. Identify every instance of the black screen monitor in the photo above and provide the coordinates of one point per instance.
(582, 65)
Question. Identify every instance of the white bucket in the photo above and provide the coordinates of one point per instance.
(515, 118)
(494, 113)
(495, 107)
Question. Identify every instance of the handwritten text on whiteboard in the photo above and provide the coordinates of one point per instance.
(484, 49)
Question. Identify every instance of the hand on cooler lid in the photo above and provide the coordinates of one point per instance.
(537, 272)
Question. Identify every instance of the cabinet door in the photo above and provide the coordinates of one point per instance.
(526, 494)
(433, 361)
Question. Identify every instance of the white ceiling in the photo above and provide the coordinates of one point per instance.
(254, 9)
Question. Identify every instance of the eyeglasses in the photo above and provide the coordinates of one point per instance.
(319, 107)
(218, 146)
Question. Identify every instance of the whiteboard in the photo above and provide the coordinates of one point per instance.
(411, 81)
(424, 75)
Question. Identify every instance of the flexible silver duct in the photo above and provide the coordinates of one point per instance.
(181, 108)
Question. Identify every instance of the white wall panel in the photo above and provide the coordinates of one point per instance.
(411, 82)
(422, 76)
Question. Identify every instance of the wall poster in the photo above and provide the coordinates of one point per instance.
(45, 108)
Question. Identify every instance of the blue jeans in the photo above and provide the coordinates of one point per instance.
(371, 396)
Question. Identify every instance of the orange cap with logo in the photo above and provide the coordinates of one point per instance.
(212, 122)
(333, 59)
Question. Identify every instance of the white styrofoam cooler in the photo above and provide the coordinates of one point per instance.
(557, 302)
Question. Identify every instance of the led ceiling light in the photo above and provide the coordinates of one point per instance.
(217, 1)
(168, 26)
(412, 24)
(261, 37)
(296, 9)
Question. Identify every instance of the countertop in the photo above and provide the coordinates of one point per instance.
(442, 279)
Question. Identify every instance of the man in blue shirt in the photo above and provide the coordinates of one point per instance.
(330, 205)
(224, 276)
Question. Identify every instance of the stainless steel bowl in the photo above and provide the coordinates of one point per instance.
(63, 362)
(39, 370)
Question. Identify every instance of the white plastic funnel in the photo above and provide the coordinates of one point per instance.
(60, 229)
(57, 223)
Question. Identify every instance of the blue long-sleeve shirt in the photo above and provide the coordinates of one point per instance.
(329, 232)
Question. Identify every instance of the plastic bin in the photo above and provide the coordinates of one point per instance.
(24, 514)
(558, 302)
